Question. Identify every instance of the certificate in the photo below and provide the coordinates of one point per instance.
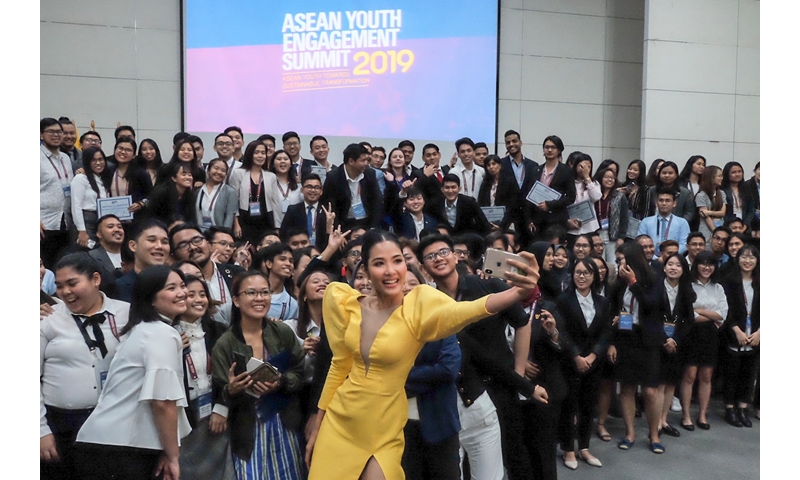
(633, 227)
(542, 193)
(117, 206)
(320, 170)
(494, 214)
(583, 211)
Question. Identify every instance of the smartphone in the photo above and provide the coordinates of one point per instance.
(495, 263)
(241, 363)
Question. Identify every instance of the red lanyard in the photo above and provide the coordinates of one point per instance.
(66, 175)
(258, 192)
(603, 213)
(213, 199)
(193, 369)
(221, 287)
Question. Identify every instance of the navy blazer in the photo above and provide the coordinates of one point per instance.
(432, 380)
(404, 224)
(469, 216)
(123, 287)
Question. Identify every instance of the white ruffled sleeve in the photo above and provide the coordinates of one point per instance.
(163, 378)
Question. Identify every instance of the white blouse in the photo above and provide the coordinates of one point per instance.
(710, 296)
(84, 198)
(587, 307)
(593, 193)
(147, 366)
(70, 372)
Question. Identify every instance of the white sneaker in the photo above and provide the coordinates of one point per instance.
(676, 405)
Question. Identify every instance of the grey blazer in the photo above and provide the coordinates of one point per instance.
(225, 206)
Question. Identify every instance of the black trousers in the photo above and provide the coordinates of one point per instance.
(65, 425)
(516, 457)
(429, 461)
(52, 245)
(540, 421)
(106, 462)
(740, 376)
(581, 399)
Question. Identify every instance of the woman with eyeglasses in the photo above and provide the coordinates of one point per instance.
(128, 178)
(264, 417)
(86, 188)
(702, 340)
(587, 331)
(216, 203)
(135, 430)
(255, 185)
(676, 298)
(742, 335)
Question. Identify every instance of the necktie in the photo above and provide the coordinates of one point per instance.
(95, 321)
(663, 229)
(310, 220)
(439, 176)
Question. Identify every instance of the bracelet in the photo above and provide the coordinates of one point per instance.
(551, 334)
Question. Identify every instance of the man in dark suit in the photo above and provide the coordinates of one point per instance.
(557, 176)
(305, 214)
(149, 243)
(353, 194)
(110, 236)
(412, 221)
(291, 144)
(522, 170)
(460, 212)
(432, 175)
(187, 242)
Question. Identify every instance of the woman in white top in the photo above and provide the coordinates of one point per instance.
(76, 344)
(309, 320)
(135, 430)
(288, 185)
(216, 203)
(585, 189)
(710, 201)
(255, 186)
(86, 188)
(690, 175)
(702, 341)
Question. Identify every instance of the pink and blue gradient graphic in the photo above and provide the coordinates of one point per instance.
(235, 75)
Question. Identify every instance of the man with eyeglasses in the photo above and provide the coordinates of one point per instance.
(695, 243)
(491, 376)
(719, 244)
(55, 176)
(221, 241)
(91, 139)
(352, 255)
(291, 143)
(304, 215)
(188, 243)
(237, 137)
(223, 145)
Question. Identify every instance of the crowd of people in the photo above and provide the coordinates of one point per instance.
(393, 348)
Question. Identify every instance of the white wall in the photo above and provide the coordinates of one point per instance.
(573, 68)
(112, 61)
(701, 89)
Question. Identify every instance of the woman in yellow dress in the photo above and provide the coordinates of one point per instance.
(375, 340)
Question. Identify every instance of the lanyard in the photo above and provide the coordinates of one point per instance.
(221, 287)
(283, 309)
(61, 160)
(286, 193)
(192, 369)
(603, 213)
(116, 184)
(464, 176)
(213, 199)
(260, 182)
(658, 227)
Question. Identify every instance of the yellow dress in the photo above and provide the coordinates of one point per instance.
(366, 411)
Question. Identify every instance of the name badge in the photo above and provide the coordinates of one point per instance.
(103, 376)
(669, 329)
(66, 189)
(255, 209)
(718, 222)
(625, 321)
(748, 326)
(202, 405)
(358, 211)
(207, 222)
(604, 224)
(285, 205)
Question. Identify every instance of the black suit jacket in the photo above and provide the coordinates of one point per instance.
(651, 320)
(530, 167)
(507, 195)
(123, 288)
(469, 216)
(563, 182)
(403, 221)
(228, 272)
(295, 217)
(337, 192)
(108, 273)
(583, 340)
(431, 187)
(737, 309)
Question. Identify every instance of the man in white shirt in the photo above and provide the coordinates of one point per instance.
(55, 175)
(236, 135)
(471, 175)
(188, 243)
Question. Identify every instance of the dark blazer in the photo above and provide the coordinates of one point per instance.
(337, 192)
(123, 288)
(554, 360)
(469, 216)
(229, 271)
(564, 182)
(651, 325)
(751, 186)
(108, 273)
(583, 340)
(432, 380)
(431, 187)
(530, 168)
(507, 195)
(748, 203)
(213, 330)
(295, 217)
(305, 168)
(682, 316)
(404, 225)
(737, 309)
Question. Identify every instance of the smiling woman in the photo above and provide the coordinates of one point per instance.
(139, 420)
(375, 340)
(173, 198)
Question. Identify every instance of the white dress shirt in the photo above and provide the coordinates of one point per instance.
(219, 292)
(55, 173)
(201, 360)
(711, 296)
(292, 197)
(148, 366)
(355, 196)
(470, 179)
(672, 295)
(631, 305)
(587, 307)
(84, 198)
(70, 372)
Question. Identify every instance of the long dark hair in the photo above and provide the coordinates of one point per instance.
(634, 258)
(641, 180)
(726, 174)
(304, 314)
(212, 304)
(589, 264)
(737, 272)
(707, 185)
(236, 313)
(249, 151)
(157, 161)
(374, 237)
(106, 175)
(672, 165)
(148, 283)
(652, 173)
(686, 294)
(290, 173)
(686, 173)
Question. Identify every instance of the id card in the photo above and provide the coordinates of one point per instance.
(255, 209)
(604, 224)
(66, 189)
(202, 405)
(669, 329)
(285, 205)
(748, 326)
(625, 321)
(358, 211)
(207, 221)
(103, 377)
(718, 222)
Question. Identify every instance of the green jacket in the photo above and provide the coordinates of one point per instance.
(277, 338)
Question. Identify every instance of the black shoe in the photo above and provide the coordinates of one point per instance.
(701, 425)
(688, 426)
(732, 418)
(671, 431)
(743, 419)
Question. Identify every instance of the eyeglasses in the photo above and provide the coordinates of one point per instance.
(291, 144)
(582, 245)
(460, 253)
(252, 294)
(313, 188)
(93, 141)
(124, 150)
(441, 254)
(224, 144)
(196, 241)
(55, 133)
(747, 257)
(97, 160)
(223, 243)
(584, 274)
(354, 254)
